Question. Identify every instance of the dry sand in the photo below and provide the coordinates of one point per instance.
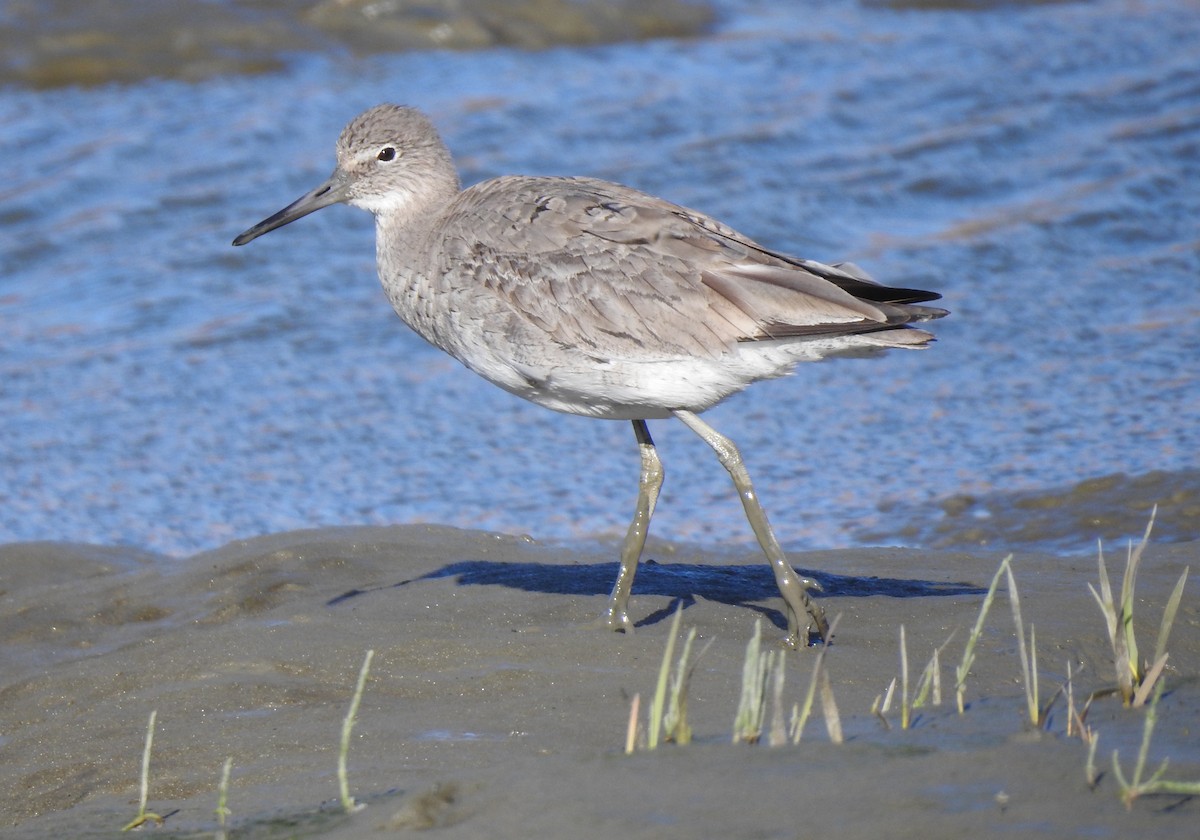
(496, 708)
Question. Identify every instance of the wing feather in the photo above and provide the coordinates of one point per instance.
(623, 275)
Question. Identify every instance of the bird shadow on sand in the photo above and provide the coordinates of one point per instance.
(738, 585)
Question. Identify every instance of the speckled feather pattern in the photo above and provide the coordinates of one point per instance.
(593, 298)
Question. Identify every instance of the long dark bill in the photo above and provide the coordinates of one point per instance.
(332, 191)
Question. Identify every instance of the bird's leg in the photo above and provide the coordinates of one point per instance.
(615, 615)
(792, 586)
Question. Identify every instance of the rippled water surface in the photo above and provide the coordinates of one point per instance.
(1039, 165)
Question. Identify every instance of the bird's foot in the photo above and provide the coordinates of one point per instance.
(812, 634)
(811, 583)
(616, 619)
(817, 629)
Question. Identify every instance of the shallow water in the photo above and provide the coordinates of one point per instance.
(1037, 165)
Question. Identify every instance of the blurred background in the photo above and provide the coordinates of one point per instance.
(1036, 163)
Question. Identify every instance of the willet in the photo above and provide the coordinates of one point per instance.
(593, 298)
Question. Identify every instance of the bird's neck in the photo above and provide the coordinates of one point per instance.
(413, 207)
(404, 219)
(404, 244)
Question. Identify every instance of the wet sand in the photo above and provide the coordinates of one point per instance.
(496, 708)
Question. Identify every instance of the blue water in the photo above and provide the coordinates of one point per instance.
(1039, 165)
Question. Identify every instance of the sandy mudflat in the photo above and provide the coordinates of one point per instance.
(495, 708)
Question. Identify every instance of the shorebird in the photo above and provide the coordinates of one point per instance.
(593, 298)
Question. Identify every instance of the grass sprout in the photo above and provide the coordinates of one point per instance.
(777, 734)
(818, 681)
(929, 684)
(883, 703)
(964, 667)
(667, 718)
(904, 709)
(348, 803)
(829, 709)
(631, 729)
(1135, 679)
(1132, 789)
(144, 816)
(748, 722)
(223, 811)
(1028, 654)
(1090, 773)
(676, 728)
(1075, 717)
(660, 688)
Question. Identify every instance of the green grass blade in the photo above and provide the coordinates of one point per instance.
(777, 734)
(1172, 787)
(747, 723)
(1147, 732)
(660, 688)
(675, 722)
(904, 709)
(1168, 619)
(144, 816)
(829, 709)
(1149, 681)
(930, 681)
(1089, 768)
(347, 800)
(801, 714)
(968, 659)
(1029, 681)
(223, 812)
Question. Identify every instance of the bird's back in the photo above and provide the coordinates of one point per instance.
(560, 288)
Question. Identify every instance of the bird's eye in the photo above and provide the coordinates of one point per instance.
(387, 153)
